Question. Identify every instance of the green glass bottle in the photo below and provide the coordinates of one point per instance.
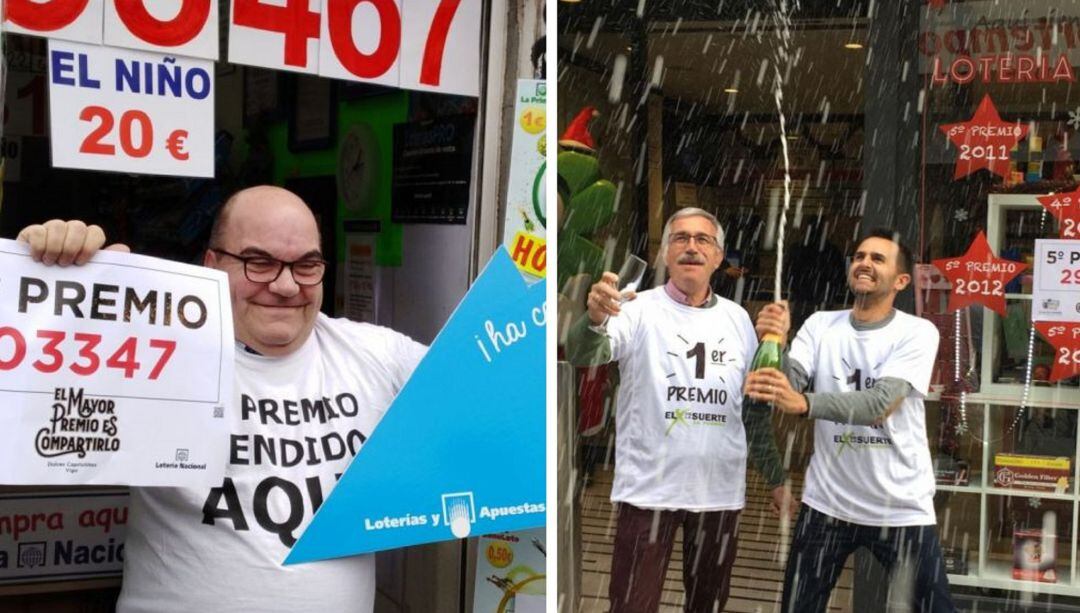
(769, 354)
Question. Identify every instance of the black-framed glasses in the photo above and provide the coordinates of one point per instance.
(265, 269)
(682, 239)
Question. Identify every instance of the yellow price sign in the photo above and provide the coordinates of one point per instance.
(533, 119)
(499, 554)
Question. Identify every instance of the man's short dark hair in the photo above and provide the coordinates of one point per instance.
(217, 228)
(904, 258)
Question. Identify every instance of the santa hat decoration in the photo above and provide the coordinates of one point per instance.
(577, 134)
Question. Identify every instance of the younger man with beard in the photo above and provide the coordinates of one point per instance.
(870, 482)
(681, 446)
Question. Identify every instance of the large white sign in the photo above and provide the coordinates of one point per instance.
(439, 46)
(50, 536)
(180, 27)
(275, 36)
(61, 19)
(1056, 292)
(130, 111)
(116, 372)
(414, 44)
(176, 27)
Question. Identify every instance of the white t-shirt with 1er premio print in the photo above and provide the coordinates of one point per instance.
(680, 442)
(870, 475)
(296, 423)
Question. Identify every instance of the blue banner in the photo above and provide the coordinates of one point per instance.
(461, 450)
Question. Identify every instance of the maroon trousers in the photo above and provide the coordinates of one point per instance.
(643, 543)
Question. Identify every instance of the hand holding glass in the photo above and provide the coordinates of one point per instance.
(630, 275)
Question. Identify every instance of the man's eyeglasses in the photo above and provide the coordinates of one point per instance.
(265, 269)
(682, 239)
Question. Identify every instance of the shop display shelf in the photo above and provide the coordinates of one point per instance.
(1000, 418)
(998, 574)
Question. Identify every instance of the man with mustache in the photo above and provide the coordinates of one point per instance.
(870, 482)
(681, 445)
(300, 378)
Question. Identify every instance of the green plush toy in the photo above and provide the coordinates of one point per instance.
(586, 202)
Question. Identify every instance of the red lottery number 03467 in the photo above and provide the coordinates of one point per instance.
(81, 353)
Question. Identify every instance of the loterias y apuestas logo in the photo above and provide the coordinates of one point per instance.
(458, 515)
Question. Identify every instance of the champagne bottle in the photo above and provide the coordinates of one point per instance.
(768, 353)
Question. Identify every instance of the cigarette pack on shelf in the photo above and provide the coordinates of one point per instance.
(1035, 556)
(950, 471)
(1032, 472)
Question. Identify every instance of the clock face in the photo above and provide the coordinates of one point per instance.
(358, 169)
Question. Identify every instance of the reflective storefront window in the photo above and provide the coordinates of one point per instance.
(800, 126)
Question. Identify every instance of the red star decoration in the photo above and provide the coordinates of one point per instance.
(1065, 337)
(984, 141)
(1066, 208)
(937, 4)
(978, 277)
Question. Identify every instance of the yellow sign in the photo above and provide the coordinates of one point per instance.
(533, 119)
(1031, 461)
(530, 253)
(499, 554)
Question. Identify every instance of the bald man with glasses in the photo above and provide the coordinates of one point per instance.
(308, 392)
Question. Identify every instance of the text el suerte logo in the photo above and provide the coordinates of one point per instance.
(79, 424)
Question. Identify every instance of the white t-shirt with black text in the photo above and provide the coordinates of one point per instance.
(680, 442)
(870, 475)
(296, 423)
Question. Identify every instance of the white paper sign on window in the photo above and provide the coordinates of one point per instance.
(440, 46)
(281, 34)
(180, 27)
(77, 20)
(130, 111)
(361, 41)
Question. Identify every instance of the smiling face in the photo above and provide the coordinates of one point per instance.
(875, 270)
(272, 318)
(691, 265)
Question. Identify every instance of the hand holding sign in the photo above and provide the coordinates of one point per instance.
(65, 242)
(115, 372)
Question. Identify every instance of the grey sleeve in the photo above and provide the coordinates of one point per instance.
(862, 408)
(796, 374)
(585, 346)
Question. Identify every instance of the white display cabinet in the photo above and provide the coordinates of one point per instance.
(980, 517)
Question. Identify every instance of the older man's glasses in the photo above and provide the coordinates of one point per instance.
(265, 269)
(682, 239)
